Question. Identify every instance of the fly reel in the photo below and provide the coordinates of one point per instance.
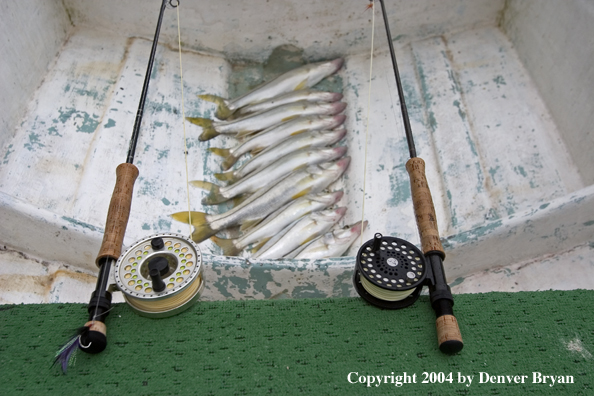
(390, 272)
(161, 275)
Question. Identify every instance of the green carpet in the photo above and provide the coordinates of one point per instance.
(307, 347)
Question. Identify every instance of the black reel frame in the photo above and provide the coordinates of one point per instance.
(392, 264)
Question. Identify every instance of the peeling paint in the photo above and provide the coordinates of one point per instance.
(110, 123)
(84, 122)
(7, 154)
(456, 282)
(499, 80)
(33, 143)
(82, 224)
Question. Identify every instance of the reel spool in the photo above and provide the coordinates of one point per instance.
(161, 275)
(390, 272)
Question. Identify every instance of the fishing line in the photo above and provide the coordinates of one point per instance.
(368, 110)
(181, 78)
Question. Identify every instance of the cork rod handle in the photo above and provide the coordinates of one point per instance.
(119, 212)
(424, 210)
(449, 337)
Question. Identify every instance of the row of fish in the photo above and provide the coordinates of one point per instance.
(279, 197)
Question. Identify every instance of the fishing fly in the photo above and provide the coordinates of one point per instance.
(390, 272)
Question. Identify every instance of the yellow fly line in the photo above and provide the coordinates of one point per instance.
(181, 78)
(368, 110)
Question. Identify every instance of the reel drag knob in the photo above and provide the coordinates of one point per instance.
(157, 243)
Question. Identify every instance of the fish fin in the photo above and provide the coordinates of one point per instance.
(302, 193)
(226, 176)
(289, 118)
(308, 240)
(298, 167)
(214, 194)
(229, 248)
(208, 130)
(197, 218)
(239, 200)
(202, 229)
(299, 132)
(242, 134)
(223, 111)
(202, 233)
(257, 151)
(221, 152)
(229, 161)
(259, 245)
(248, 223)
(301, 85)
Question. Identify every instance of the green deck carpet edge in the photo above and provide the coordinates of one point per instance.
(306, 346)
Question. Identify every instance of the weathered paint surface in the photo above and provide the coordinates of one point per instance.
(249, 30)
(569, 270)
(560, 64)
(31, 34)
(505, 188)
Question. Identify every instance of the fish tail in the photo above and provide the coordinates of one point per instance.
(208, 130)
(202, 233)
(221, 152)
(226, 176)
(229, 248)
(229, 161)
(202, 229)
(214, 194)
(223, 112)
(197, 218)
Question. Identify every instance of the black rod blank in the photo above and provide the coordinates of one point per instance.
(147, 77)
(407, 128)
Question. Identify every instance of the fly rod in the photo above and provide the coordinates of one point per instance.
(91, 338)
(391, 272)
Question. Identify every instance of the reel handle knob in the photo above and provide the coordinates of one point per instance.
(377, 241)
(157, 268)
(158, 284)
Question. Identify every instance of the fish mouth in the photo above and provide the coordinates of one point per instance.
(341, 211)
(338, 195)
(337, 63)
(339, 151)
(343, 163)
(337, 107)
(335, 97)
(340, 132)
(357, 227)
(337, 120)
